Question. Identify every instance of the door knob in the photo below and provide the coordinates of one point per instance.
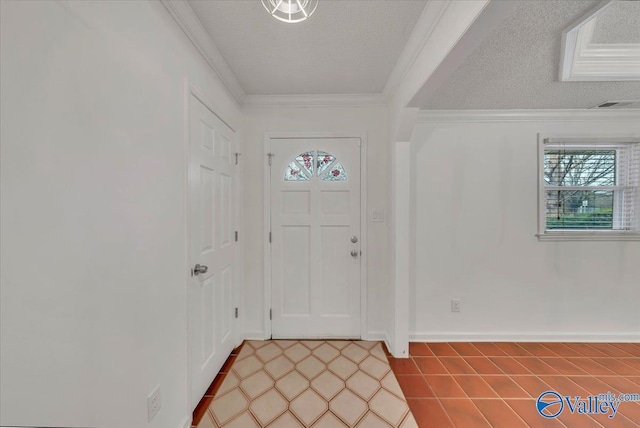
(354, 239)
(198, 269)
(354, 253)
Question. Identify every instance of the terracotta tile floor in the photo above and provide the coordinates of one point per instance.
(496, 385)
(472, 385)
(289, 384)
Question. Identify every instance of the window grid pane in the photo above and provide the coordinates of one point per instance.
(582, 209)
(592, 189)
(580, 167)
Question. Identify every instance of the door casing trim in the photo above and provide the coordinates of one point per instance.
(287, 135)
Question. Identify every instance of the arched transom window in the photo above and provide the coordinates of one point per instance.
(315, 164)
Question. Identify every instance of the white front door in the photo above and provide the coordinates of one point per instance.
(212, 246)
(315, 241)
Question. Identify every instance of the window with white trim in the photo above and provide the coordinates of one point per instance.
(589, 189)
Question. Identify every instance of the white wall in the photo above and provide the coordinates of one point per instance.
(93, 313)
(475, 217)
(350, 121)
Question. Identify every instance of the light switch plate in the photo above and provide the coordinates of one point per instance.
(377, 215)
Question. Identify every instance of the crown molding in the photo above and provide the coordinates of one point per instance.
(319, 100)
(486, 116)
(188, 21)
(606, 62)
(583, 60)
(428, 21)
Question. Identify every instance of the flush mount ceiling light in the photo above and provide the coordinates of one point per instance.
(290, 11)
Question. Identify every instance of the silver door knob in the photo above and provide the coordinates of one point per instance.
(354, 253)
(198, 269)
(354, 239)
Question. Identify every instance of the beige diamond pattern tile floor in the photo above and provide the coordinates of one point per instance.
(310, 383)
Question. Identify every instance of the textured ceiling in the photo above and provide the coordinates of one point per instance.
(346, 47)
(618, 23)
(516, 67)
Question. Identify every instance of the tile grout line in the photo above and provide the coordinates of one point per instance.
(538, 378)
(547, 385)
(444, 410)
(546, 358)
(498, 394)
(540, 355)
(488, 357)
(512, 380)
(570, 380)
(367, 353)
(465, 392)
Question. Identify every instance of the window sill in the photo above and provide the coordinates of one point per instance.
(572, 235)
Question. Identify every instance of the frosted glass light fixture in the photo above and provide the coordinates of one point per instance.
(290, 11)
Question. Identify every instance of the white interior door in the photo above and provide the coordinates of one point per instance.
(212, 246)
(315, 241)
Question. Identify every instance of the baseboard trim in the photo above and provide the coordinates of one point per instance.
(525, 337)
(378, 336)
(254, 335)
(371, 335)
(375, 336)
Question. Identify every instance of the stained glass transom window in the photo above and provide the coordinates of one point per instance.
(295, 173)
(324, 161)
(315, 164)
(336, 173)
(306, 161)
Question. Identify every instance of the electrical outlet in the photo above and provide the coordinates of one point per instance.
(153, 403)
(455, 305)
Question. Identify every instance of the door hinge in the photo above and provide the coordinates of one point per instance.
(270, 156)
(236, 236)
(236, 312)
(237, 156)
(270, 314)
(269, 237)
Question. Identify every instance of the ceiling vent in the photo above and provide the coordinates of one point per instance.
(618, 104)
